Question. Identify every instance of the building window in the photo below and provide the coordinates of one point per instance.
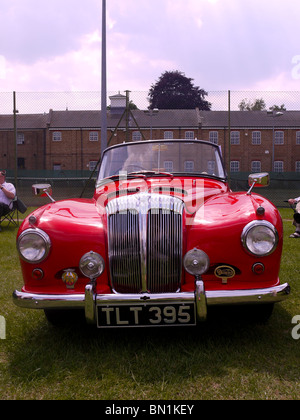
(298, 137)
(136, 136)
(255, 166)
(234, 166)
(168, 165)
(256, 138)
(56, 166)
(94, 136)
(92, 165)
(278, 166)
(56, 136)
(168, 135)
(188, 166)
(20, 138)
(21, 163)
(189, 135)
(235, 137)
(214, 137)
(298, 166)
(279, 137)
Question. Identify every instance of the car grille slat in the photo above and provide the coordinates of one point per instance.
(124, 252)
(164, 254)
(145, 243)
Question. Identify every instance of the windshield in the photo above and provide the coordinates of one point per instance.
(176, 157)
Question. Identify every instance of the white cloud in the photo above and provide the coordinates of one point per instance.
(228, 44)
(2, 67)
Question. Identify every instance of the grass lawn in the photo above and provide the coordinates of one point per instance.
(225, 358)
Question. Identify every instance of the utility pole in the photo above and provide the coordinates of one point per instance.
(15, 111)
(103, 82)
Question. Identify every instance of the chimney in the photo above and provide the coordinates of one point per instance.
(117, 104)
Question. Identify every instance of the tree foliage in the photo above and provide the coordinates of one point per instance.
(277, 108)
(174, 90)
(256, 105)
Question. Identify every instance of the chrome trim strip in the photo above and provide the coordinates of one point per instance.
(90, 308)
(145, 236)
(89, 300)
(201, 302)
(231, 297)
(146, 297)
(45, 301)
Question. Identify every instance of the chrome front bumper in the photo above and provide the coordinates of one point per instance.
(203, 299)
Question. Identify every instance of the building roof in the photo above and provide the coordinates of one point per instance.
(164, 119)
(250, 119)
(24, 121)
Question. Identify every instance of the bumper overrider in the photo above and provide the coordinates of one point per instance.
(115, 310)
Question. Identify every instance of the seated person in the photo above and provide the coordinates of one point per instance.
(292, 202)
(7, 194)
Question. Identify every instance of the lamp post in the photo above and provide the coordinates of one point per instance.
(103, 82)
(151, 113)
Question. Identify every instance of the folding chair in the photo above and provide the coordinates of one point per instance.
(12, 217)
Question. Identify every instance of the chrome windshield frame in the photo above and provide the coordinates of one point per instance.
(219, 161)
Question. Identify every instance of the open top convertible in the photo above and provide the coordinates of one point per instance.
(162, 240)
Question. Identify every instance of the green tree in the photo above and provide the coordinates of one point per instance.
(277, 108)
(256, 105)
(174, 90)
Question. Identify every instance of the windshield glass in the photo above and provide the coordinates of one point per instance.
(176, 157)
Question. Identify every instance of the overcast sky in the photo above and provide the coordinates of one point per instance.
(222, 44)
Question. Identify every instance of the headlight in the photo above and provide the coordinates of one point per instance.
(196, 262)
(260, 238)
(92, 265)
(34, 245)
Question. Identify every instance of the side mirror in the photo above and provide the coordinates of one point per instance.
(258, 180)
(42, 190)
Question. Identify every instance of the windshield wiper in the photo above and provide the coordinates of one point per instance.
(130, 175)
(151, 173)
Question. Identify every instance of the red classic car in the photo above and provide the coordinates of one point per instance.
(162, 240)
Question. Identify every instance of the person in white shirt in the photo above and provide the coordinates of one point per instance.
(7, 194)
(296, 202)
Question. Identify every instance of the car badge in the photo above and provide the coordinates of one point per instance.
(70, 278)
(225, 272)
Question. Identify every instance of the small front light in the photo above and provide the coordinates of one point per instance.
(196, 262)
(34, 245)
(260, 238)
(92, 265)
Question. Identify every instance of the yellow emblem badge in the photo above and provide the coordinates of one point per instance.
(70, 278)
(224, 272)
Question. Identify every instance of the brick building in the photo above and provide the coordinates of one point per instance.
(71, 140)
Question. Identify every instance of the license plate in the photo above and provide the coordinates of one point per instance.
(146, 315)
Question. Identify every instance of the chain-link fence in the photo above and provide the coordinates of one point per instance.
(55, 137)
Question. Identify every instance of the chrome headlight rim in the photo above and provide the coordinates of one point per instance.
(92, 265)
(196, 262)
(46, 245)
(257, 224)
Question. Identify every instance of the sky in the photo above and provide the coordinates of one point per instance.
(238, 45)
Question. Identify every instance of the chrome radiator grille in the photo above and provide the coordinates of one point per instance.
(145, 243)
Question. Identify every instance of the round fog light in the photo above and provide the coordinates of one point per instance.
(258, 268)
(92, 265)
(37, 274)
(196, 262)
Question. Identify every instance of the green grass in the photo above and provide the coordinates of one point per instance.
(225, 358)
